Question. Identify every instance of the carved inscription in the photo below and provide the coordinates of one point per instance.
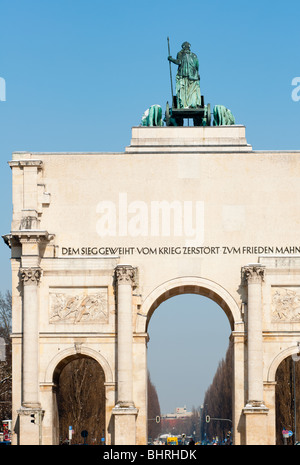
(286, 304)
(77, 306)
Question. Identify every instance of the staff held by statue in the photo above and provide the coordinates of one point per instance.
(169, 54)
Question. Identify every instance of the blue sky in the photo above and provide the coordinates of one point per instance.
(79, 74)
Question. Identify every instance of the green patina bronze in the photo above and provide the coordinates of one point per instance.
(187, 78)
(222, 116)
(152, 116)
(188, 103)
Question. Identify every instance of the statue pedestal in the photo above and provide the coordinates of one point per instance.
(188, 139)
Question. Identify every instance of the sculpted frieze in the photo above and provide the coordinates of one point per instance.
(286, 304)
(78, 306)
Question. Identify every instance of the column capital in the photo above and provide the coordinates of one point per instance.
(254, 274)
(31, 275)
(125, 274)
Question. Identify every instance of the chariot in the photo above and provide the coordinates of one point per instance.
(175, 116)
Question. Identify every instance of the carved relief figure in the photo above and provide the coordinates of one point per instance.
(285, 304)
(78, 308)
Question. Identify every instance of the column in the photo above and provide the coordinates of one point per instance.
(255, 410)
(254, 274)
(30, 413)
(124, 411)
(30, 278)
(30, 273)
(125, 277)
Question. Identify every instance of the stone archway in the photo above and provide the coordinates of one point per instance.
(270, 386)
(188, 285)
(293, 350)
(282, 387)
(51, 381)
(207, 288)
(64, 356)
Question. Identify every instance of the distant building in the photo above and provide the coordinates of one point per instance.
(180, 412)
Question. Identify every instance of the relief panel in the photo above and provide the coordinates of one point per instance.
(78, 305)
(286, 304)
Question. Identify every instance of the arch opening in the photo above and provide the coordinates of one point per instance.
(287, 397)
(189, 336)
(189, 285)
(80, 399)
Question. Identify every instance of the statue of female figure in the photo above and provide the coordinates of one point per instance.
(187, 78)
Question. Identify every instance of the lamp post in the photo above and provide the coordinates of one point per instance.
(200, 420)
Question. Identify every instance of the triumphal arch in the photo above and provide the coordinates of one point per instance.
(99, 240)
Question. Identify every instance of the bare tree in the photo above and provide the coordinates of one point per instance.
(288, 400)
(154, 428)
(5, 315)
(218, 400)
(5, 362)
(81, 401)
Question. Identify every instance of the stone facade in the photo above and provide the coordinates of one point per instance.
(99, 240)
